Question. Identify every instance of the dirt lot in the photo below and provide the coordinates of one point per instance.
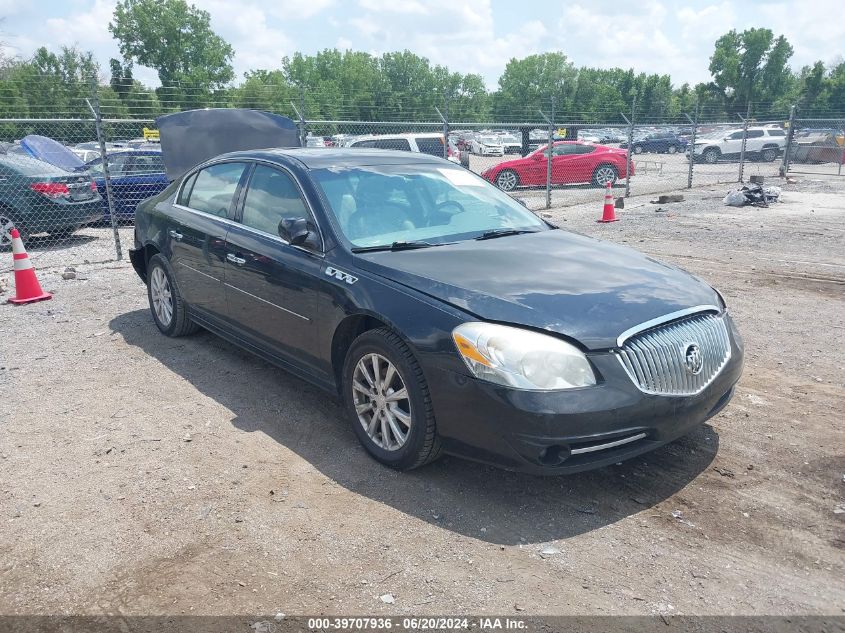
(146, 475)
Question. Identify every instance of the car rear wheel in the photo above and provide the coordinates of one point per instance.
(711, 156)
(507, 180)
(672, 149)
(388, 402)
(638, 149)
(169, 310)
(605, 174)
(7, 223)
(769, 154)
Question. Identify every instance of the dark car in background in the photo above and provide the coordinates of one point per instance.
(448, 317)
(658, 142)
(37, 197)
(135, 176)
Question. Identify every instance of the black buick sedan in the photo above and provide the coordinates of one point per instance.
(447, 316)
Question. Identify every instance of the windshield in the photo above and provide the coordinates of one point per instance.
(377, 205)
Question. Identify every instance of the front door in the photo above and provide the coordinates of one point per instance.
(196, 235)
(271, 285)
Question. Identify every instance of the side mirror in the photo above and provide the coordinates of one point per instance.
(298, 232)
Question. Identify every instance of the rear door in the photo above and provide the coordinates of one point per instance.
(272, 286)
(196, 234)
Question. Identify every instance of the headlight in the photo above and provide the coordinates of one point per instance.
(520, 358)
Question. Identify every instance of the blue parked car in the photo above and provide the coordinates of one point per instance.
(661, 142)
(135, 176)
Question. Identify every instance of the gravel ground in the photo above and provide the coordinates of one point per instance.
(147, 475)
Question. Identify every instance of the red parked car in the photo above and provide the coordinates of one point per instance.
(573, 162)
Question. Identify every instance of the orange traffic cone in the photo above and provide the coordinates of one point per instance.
(27, 288)
(609, 214)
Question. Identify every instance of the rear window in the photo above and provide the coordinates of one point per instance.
(148, 164)
(401, 144)
(433, 146)
(215, 187)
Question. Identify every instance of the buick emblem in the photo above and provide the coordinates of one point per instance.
(693, 359)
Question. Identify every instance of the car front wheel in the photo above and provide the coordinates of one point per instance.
(388, 402)
(711, 156)
(507, 180)
(672, 149)
(166, 304)
(638, 149)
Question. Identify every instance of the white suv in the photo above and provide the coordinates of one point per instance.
(763, 143)
(425, 143)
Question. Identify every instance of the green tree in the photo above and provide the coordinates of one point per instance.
(176, 40)
(751, 67)
(531, 83)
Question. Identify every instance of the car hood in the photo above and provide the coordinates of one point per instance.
(52, 152)
(577, 286)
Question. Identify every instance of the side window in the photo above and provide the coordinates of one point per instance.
(773, 132)
(393, 143)
(565, 149)
(147, 164)
(364, 144)
(271, 196)
(585, 149)
(433, 146)
(736, 136)
(755, 133)
(215, 187)
(118, 165)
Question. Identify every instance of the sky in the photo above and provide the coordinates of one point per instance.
(477, 36)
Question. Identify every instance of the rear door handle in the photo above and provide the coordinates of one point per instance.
(175, 235)
(240, 261)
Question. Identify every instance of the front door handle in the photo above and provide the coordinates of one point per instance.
(240, 261)
(175, 235)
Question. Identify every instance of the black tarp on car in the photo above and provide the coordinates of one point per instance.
(191, 137)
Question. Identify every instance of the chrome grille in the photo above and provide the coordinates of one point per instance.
(656, 358)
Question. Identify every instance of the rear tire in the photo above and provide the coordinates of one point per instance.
(7, 223)
(604, 174)
(672, 149)
(394, 399)
(507, 180)
(169, 310)
(769, 154)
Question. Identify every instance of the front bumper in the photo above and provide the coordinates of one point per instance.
(569, 431)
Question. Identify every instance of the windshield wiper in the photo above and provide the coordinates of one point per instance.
(396, 246)
(489, 235)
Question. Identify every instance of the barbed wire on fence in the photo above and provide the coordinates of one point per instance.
(68, 214)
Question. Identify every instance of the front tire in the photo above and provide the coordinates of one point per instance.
(711, 156)
(672, 149)
(388, 402)
(507, 180)
(169, 310)
(638, 149)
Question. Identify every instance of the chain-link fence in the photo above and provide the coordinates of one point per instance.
(71, 184)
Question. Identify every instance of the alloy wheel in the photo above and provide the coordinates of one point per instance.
(6, 226)
(711, 156)
(672, 149)
(161, 296)
(605, 175)
(381, 401)
(638, 149)
(506, 181)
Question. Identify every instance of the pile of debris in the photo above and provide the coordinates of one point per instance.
(754, 194)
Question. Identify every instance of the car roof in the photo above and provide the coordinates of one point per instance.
(320, 158)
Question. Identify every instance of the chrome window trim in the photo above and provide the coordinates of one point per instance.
(296, 314)
(664, 319)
